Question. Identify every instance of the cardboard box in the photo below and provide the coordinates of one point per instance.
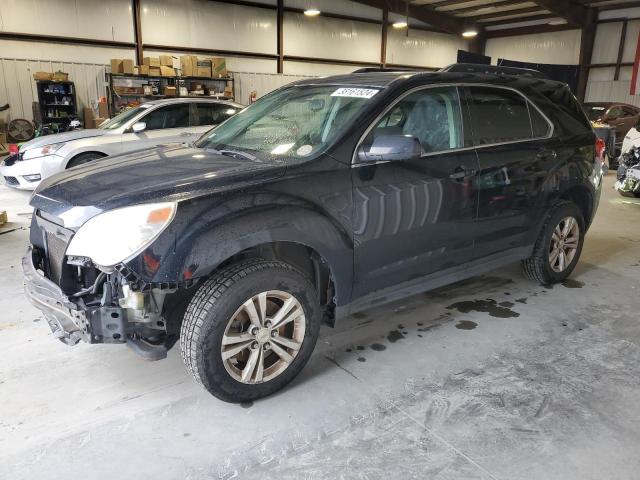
(99, 121)
(219, 67)
(42, 76)
(166, 60)
(151, 61)
(3, 138)
(60, 77)
(116, 65)
(154, 71)
(188, 65)
(103, 109)
(3, 214)
(170, 91)
(204, 68)
(143, 69)
(127, 66)
(87, 115)
(167, 71)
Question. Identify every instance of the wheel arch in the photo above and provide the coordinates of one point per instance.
(583, 198)
(85, 152)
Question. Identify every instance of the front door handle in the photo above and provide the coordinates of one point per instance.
(460, 173)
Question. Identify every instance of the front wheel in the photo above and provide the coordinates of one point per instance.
(250, 329)
(558, 246)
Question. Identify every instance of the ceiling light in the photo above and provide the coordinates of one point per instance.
(558, 21)
(469, 33)
(312, 12)
(399, 24)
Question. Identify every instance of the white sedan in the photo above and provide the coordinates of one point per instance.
(148, 125)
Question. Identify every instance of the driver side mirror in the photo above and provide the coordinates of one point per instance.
(392, 147)
(138, 127)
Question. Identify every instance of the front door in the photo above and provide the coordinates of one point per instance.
(166, 124)
(417, 217)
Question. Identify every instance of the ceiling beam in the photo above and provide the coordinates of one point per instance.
(440, 20)
(506, 13)
(503, 3)
(573, 12)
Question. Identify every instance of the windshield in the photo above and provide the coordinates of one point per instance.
(594, 112)
(119, 120)
(294, 122)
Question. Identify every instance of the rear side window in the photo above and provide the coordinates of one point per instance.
(499, 115)
(212, 113)
(171, 116)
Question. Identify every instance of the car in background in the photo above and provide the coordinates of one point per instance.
(148, 125)
(622, 116)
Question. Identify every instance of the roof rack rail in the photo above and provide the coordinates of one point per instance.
(494, 70)
(385, 69)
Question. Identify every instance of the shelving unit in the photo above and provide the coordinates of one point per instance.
(119, 99)
(57, 102)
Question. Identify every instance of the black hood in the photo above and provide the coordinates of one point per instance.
(168, 173)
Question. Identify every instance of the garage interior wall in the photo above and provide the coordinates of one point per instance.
(315, 46)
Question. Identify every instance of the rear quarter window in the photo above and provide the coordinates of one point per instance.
(561, 107)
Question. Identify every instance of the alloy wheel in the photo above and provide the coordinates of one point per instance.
(263, 337)
(564, 244)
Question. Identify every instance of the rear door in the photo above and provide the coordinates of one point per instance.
(206, 115)
(516, 150)
(166, 124)
(413, 218)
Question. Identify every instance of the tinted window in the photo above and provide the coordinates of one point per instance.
(171, 116)
(614, 112)
(629, 112)
(539, 124)
(212, 113)
(498, 115)
(431, 115)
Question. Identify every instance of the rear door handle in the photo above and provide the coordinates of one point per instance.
(460, 173)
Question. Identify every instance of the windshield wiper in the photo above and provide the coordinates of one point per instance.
(236, 154)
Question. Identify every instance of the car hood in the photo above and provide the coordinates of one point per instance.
(170, 173)
(62, 137)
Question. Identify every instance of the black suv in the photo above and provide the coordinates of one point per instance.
(325, 197)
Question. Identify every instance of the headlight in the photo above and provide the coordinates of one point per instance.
(42, 151)
(119, 235)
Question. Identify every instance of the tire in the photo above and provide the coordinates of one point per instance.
(629, 194)
(84, 158)
(209, 318)
(538, 267)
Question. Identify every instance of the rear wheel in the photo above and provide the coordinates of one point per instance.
(84, 158)
(250, 329)
(558, 246)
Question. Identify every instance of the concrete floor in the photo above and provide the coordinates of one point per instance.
(533, 383)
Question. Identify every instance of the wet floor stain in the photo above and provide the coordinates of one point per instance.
(400, 326)
(521, 300)
(378, 347)
(466, 325)
(506, 304)
(489, 306)
(420, 324)
(394, 336)
(571, 283)
(362, 359)
(359, 315)
(404, 309)
(248, 404)
(548, 286)
(359, 347)
(349, 350)
(420, 335)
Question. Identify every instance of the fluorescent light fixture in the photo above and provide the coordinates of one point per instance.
(558, 21)
(399, 24)
(312, 12)
(469, 33)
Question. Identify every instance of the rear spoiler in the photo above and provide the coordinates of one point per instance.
(493, 70)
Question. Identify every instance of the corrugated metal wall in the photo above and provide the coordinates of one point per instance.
(18, 89)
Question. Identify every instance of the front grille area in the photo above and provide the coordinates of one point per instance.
(11, 181)
(55, 256)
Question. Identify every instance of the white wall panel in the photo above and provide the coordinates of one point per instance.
(98, 19)
(317, 69)
(211, 25)
(554, 48)
(341, 7)
(423, 48)
(621, 13)
(322, 37)
(605, 45)
(631, 41)
(18, 89)
(60, 52)
(260, 82)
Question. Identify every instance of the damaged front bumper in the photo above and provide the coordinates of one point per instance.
(68, 320)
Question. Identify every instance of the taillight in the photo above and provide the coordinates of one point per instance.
(600, 149)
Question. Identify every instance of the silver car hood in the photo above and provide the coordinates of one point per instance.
(63, 137)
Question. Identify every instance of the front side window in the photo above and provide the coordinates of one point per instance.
(121, 119)
(431, 115)
(171, 116)
(294, 122)
(498, 115)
